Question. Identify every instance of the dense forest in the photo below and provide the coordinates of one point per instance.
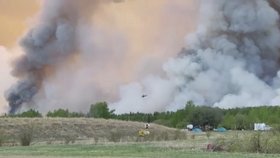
(199, 116)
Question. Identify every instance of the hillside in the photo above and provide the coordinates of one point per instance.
(89, 130)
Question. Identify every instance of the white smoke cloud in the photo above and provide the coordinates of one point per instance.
(231, 60)
(5, 80)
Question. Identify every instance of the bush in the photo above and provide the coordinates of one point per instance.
(261, 142)
(255, 142)
(96, 139)
(115, 136)
(270, 143)
(218, 145)
(26, 135)
(2, 137)
(69, 138)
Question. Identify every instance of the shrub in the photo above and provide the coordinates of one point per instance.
(96, 139)
(255, 142)
(270, 143)
(26, 135)
(69, 138)
(115, 136)
(218, 145)
(2, 137)
(262, 142)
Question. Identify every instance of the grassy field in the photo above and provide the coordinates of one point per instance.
(61, 130)
(54, 131)
(84, 137)
(119, 150)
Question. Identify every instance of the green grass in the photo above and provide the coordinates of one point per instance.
(135, 150)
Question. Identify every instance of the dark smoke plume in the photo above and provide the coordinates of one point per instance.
(51, 42)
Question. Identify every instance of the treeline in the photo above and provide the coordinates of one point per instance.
(200, 116)
(244, 118)
(210, 117)
(98, 110)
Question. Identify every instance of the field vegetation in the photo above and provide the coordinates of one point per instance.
(97, 136)
(120, 150)
(101, 132)
(16, 131)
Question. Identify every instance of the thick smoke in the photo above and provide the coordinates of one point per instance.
(119, 49)
(5, 69)
(79, 52)
(231, 60)
(51, 42)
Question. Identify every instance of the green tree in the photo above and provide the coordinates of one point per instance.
(229, 122)
(30, 113)
(58, 113)
(241, 122)
(203, 116)
(100, 110)
(189, 108)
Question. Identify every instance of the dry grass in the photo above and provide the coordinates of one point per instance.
(250, 141)
(75, 130)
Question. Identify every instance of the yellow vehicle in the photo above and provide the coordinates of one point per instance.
(143, 133)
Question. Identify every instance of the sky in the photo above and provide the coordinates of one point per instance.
(14, 16)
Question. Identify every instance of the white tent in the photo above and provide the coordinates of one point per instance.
(261, 127)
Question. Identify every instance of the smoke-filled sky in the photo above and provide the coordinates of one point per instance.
(14, 17)
(120, 43)
(75, 53)
(231, 60)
